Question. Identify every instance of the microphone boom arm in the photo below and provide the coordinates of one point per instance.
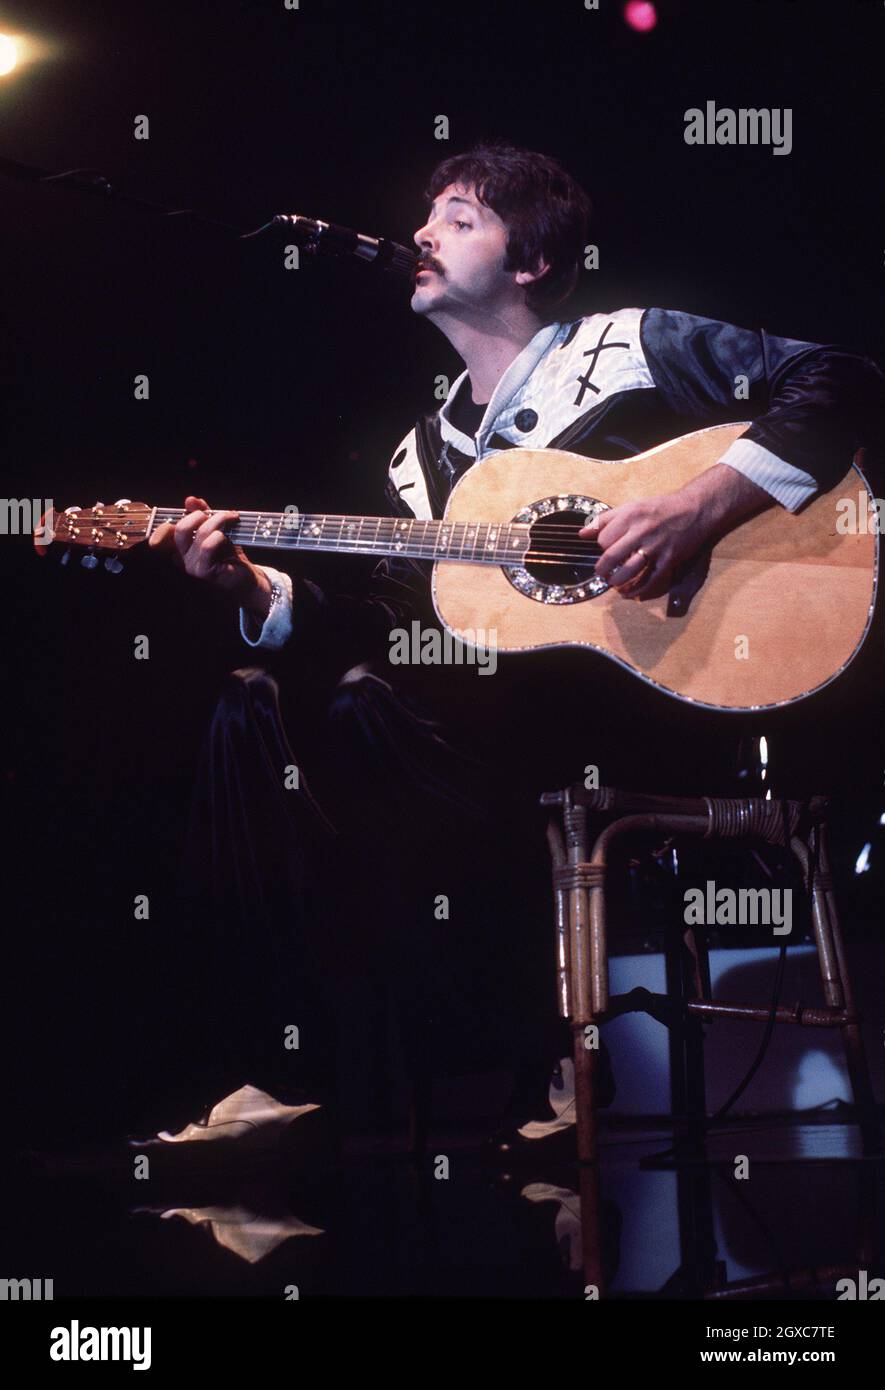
(329, 239)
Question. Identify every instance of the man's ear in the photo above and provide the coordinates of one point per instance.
(528, 277)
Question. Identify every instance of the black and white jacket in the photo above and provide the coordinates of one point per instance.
(611, 386)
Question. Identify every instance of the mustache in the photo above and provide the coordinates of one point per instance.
(428, 263)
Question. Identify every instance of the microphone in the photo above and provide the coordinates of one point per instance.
(329, 239)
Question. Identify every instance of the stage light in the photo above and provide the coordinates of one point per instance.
(8, 54)
(641, 16)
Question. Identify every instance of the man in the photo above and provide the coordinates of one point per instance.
(500, 252)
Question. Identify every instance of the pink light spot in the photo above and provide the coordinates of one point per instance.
(192, 463)
(641, 16)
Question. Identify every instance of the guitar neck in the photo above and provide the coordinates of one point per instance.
(483, 542)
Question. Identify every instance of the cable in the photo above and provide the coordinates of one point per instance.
(766, 1039)
(790, 875)
(778, 983)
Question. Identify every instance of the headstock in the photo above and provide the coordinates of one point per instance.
(103, 529)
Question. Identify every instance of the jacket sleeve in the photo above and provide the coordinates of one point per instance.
(343, 627)
(812, 405)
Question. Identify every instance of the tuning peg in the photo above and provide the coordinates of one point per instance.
(89, 561)
(113, 564)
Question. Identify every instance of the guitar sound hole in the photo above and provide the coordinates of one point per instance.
(556, 536)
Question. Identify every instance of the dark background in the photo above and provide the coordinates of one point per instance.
(270, 387)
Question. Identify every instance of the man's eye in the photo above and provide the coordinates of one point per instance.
(461, 224)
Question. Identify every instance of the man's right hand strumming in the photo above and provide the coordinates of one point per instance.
(197, 544)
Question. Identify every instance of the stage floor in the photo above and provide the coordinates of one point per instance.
(376, 1223)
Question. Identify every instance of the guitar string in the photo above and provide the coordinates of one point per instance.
(238, 532)
(521, 557)
(535, 527)
(327, 536)
(540, 557)
(419, 548)
(167, 515)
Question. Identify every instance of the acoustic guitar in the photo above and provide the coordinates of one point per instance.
(776, 609)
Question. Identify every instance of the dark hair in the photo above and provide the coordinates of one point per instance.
(545, 211)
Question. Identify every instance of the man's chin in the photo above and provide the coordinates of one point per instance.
(422, 300)
(430, 300)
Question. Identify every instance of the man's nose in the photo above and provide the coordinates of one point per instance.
(424, 238)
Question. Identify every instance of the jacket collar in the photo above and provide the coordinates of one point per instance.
(516, 375)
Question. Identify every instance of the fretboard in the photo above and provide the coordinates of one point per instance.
(485, 542)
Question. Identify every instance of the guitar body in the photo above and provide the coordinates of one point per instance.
(783, 606)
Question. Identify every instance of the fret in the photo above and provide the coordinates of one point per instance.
(425, 544)
(313, 531)
(263, 528)
(359, 533)
(346, 530)
(402, 535)
(519, 546)
(377, 534)
(291, 522)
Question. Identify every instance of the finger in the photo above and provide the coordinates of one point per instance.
(196, 504)
(621, 554)
(648, 586)
(624, 575)
(611, 520)
(209, 553)
(637, 586)
(214, 522)
(163, 535)
(185, 530)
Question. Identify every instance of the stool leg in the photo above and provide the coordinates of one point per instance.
(834, 994)
(585, 1094)
(695, 965)
(583, 965)
(588, 1165)
(852, 1038)
(591, 1227)
(558, 857)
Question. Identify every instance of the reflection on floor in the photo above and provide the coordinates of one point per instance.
(808, 1212)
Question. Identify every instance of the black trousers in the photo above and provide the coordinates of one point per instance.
(359, 863)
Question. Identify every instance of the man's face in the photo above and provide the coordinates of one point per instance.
(463, 244)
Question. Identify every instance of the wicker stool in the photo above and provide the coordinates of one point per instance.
(579, 881)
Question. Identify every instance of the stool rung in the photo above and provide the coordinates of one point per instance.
(784, 1013)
